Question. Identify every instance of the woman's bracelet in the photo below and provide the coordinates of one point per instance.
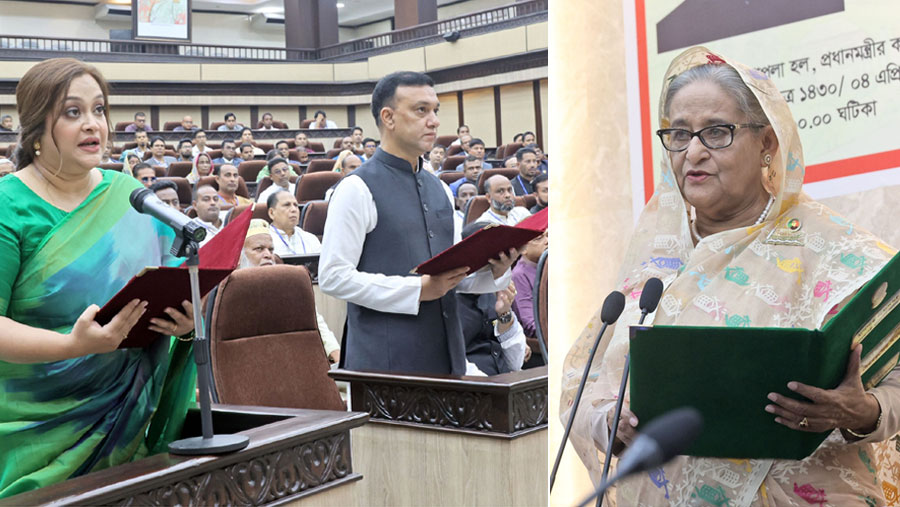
(862, 436)
(190, 337)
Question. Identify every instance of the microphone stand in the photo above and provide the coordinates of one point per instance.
(209, 443)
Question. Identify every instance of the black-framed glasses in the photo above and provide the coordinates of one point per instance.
(714, 137)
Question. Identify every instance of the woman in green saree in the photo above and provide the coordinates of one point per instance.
(70, 401)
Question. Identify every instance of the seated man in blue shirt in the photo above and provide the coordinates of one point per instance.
(476, 148)
(229, 154)
(472, 171)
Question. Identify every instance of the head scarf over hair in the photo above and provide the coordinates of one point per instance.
(194, 177)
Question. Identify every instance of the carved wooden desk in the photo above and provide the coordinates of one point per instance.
(451, 440)
(297, 456)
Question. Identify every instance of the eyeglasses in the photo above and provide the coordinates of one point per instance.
(714, 137)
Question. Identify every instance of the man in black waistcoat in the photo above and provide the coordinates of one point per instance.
(385, 219)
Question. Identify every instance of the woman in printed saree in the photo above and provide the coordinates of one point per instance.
(736, 242)
(70, 401)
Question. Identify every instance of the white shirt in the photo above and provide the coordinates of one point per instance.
(196, 151)
(299, 243)
(263, 197)
(515, 216)
(328, 125)
(211, 230)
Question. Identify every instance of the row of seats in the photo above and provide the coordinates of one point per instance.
(171, 125)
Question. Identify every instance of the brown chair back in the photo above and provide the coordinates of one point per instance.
(333, 153)
(185, 197)
(266, 147)
(305, 123)
(445, 141)
(160, 170)
(317, 146)
(529, 200)
(211, 180)
(275, 123)
(259, 358)
(250, 169)
(312, 219)
(319, 165)
(475, 208)
(539, 299)
(499, 153)
(511, 150)
(214, 154)
(454, 150)
(170, 126)
(260, 210)
(337, 142)
(179, 169)
(215, 125)
(450, 163)
(450, 177)
(120, 126)
(312, 186)
(112, 166)
(487, 173)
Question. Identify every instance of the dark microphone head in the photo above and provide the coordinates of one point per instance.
(612, 307)
(137, 198)
(674, 431)
(653, 289)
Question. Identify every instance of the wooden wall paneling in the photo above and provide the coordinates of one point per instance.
(498, 117)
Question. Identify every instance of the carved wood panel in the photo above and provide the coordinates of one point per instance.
(458, 409)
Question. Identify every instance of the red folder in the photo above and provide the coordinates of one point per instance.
(166, 287)
(486, 244)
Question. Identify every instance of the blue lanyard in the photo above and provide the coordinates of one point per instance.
(522, 182)
(502, 220)
(286, 243)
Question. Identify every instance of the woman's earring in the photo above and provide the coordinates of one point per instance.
(37, 149)
(767, 159)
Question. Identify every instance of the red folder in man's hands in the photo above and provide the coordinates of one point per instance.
(476, 250)
(166, 287)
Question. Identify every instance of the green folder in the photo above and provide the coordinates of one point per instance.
(727, 372)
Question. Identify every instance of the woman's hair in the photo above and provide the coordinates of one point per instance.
(339, 162)
(730, 81)
(41, 93)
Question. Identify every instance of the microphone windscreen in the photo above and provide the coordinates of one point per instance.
(137, 198)
(675, 431)
(653, 289)
(612, 307)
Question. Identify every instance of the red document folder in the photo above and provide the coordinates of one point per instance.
(486, 244)
(164, 287)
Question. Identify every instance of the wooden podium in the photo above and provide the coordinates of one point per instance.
(450, 440)
(297, 456)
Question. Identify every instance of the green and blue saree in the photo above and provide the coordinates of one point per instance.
(66, 418)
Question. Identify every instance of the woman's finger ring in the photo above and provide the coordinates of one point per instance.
(804, 423)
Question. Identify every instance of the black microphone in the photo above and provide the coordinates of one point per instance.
(145, 201)
(609, 313)
(650, 295)
(665, 437)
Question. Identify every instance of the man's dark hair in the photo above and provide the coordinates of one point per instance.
(142, 165)
(196, 133)
(540, 178)
(157, 138)
(528, 132)
(354, 129)
(227, 141)
(267, 114)
(441, 146)
(138, 114)
(243, 145)
(182, 141)
(230, 115)
(475, 141)
(320, 112)
(282, 142)
(245, 129)
(5, 116)
(369, 140)
(386, 89)
(520, 153)
(473, 228)
(276, 160)
(272, 201)
(471, 158)
(162, 184)
(518, 136)
(460, 128)
(532, 146)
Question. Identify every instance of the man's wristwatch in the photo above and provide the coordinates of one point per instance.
(506, 318)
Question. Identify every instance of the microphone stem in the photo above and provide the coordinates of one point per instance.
(615, 427)
(584, 377)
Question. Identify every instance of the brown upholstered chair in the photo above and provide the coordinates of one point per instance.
(312, 186)
(455, 150)
(445, 141)
(250, 169)
(337, 142)
(511, 150)
(211, 180)
(266, 182)
(293, 156)
(179, 169)
(259, 358)
(319, 165)
(214, 154)
(260, 210)
(450, 163)
(215, 125)
(450, 177)
(275, 123)
(317, 146)
(113, 166)
(499, 152)
(539, 300)
(120, 126)
(475, 208)
(170, 125)
(487, 173)
(129, 146)
(160, 170)
(312, 218)
(264, 146)
(184, 190)
(333, 153)
(305, 123)
(528, 201)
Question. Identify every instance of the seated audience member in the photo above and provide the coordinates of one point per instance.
(369, 147)
(321, 122)
(283, 149)
(107, 154)
(6, 167)
(511, 163)
(231, 124)
(228, 180)
(347, 163)
(541, 186)
(280, 172)
(259, 250)
(167, 191)
(464, 194)
(460, 131)
(529, 138)
(145, 173)
(301, 142)
(158, 155)
(131, 160)
(357, 136)
(228, 154)
(185, 150)
(346, 145)
(303, 156)
(246, 151)
(199, 138)
(518, 138)
(288, 237)
(527, 166)
(6, 123)
(472, 169)
(143, 146)
(206, 204)
(464, 141)
(435, 159)
(268, 122)
(187, 125)
(139, 125)
(203, 166)
(503, 209)
(476, 149)
(265, 170)
(523, 275)
(495, 342)
(247, 138)
(541, 158)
